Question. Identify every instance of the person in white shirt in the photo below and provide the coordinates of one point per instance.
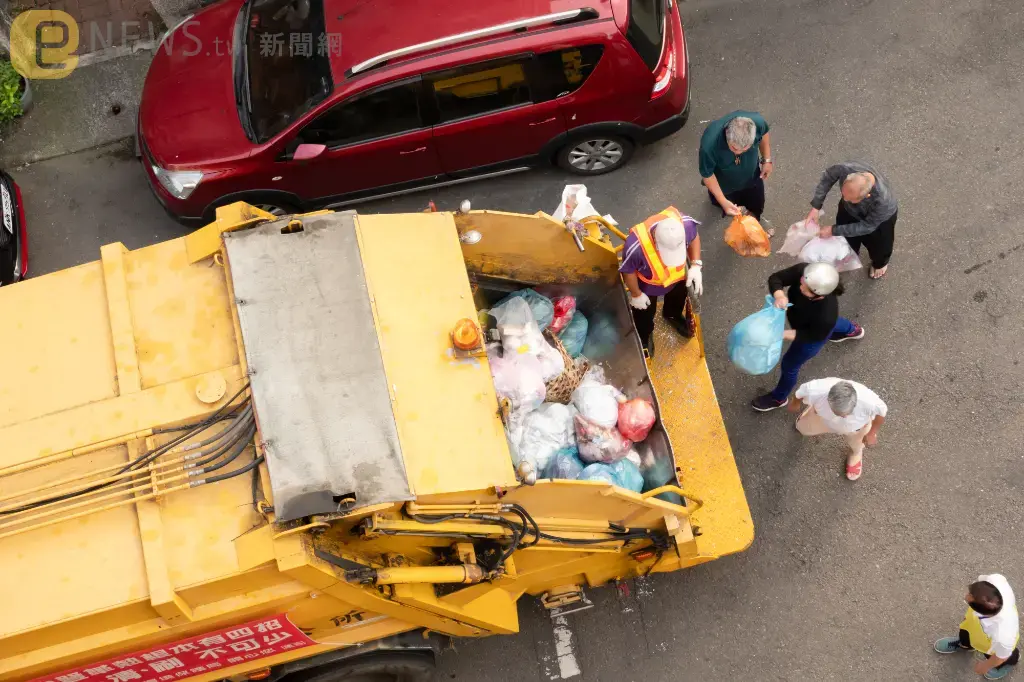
(844, 407)
(990, 626)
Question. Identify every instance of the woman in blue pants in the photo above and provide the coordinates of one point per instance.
(811, 293)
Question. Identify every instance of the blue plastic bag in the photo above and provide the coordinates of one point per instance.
(598, 471)
(628, 475)
(541, 306)
(755, 343)
(565, 463)
(623, 473)
(575, 334)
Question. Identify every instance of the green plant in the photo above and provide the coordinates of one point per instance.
(10, 92)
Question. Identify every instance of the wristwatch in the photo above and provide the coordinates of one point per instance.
(768, 160)
(697, 262)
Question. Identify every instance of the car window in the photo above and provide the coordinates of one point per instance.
(284, 65)
(563, 71)
(387, 111)
(646, 28)
(479, 89)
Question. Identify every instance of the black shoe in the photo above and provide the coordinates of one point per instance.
(766, 403)
(649, 347)
(682, 327)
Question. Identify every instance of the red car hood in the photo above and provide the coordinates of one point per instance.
(187, 117)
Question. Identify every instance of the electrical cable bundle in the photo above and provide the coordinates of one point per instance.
(167, 468)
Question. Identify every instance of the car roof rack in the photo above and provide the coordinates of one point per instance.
(566, 17)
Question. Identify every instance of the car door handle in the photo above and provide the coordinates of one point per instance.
(414, 151)
(547, 120)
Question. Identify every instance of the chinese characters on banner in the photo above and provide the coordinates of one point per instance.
(197, 655)
(299, 44)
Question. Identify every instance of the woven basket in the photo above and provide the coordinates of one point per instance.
(559, 389)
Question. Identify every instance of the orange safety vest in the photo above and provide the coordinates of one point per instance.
(662, 275)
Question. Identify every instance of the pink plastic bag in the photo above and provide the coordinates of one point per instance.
(565, 308)
(598, 443)
(636, 418)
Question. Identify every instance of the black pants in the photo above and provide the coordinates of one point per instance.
(965, 641)
(671, 309)
(750, 197)
(878, 243)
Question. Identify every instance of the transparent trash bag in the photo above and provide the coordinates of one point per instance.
(545, 431)
(518, 378)
(575, 334)
(755, 343)
(832, 250)
(565, 464)
(541, 307)
(746, 237)
(599, 443)
(798, 235)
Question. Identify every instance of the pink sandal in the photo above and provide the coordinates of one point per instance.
(853, 471)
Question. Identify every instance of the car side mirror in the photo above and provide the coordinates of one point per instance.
(305, 152)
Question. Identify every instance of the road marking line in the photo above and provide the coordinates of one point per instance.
(565, 651)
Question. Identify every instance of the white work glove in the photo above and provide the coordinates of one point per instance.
(695, 279)
(640, 302)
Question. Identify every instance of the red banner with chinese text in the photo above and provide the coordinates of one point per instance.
(197, 655)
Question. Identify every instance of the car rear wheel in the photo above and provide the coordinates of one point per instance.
(383, 667)
(595, 154)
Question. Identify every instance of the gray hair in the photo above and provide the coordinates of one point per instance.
(862, 182)
(741, 132)
(842, 398)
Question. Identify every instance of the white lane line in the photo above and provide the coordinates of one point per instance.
(564, 649)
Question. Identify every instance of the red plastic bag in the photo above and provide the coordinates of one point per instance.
(565, 307)
(636, 418)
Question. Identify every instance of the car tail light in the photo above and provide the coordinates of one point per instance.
(23, 230)
(665, 73)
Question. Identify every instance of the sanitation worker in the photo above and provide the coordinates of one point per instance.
(660, 253)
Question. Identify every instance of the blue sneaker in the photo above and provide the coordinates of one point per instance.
(998, 673)
(949, 645)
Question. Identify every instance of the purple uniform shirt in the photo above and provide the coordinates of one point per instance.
(633, 260)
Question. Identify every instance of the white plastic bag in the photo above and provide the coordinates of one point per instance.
(545, 431)
(597, 402)
(519, 378)
(575, 204)
(798, 235)
(833, 250)
(551, 362)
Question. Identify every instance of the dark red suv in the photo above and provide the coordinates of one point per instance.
(302, 104)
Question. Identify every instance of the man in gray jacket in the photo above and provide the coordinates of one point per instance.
(867, 211)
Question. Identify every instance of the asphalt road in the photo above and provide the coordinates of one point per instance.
(844, 581)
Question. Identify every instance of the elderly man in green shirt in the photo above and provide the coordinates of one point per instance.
(733, 170)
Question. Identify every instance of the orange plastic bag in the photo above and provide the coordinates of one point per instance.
(746, 236)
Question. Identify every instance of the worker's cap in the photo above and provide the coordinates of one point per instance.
(670, 238)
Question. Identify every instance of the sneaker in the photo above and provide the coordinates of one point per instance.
(998, 673)
(682, 327)
(949, 645)
(766, 403)
(857, 333)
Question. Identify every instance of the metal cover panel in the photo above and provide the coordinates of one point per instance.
(318, 381)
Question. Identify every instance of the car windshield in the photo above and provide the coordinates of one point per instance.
(646, 29)
(285, 66)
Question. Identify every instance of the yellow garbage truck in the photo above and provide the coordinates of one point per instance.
(273, 449)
